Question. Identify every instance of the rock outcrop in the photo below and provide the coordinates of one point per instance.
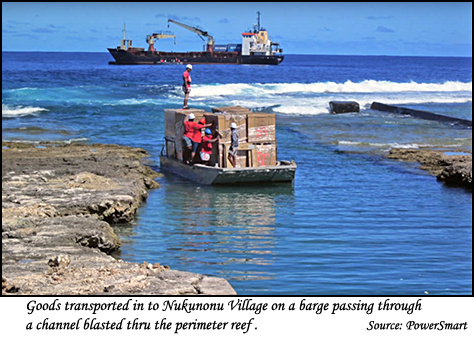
(454, 170)
(57, 207)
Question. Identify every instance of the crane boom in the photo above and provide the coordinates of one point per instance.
(163, 36)
(150, 39)
(200, 32)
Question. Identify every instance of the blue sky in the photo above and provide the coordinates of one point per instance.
(333, 28)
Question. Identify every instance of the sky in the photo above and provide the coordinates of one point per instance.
(321, 28)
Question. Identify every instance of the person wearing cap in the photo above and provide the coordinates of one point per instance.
(206, 149)
(234, 144)
(190, 128)
(187, 85)
(192, 137)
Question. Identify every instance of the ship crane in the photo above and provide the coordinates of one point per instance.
(200, 32)
(151, 39)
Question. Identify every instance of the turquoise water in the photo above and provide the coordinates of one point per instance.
(353, 222)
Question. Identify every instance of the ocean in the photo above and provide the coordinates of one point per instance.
(353, 222)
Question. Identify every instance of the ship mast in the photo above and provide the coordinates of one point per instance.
(124, 43)
(258, 20)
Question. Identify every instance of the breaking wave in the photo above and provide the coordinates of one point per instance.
(314, 98)
(367, 86)
(9, 111)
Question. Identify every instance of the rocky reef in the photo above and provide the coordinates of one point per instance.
(58, 204)
(452, 168)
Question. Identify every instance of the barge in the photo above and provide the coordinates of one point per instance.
(256, 157)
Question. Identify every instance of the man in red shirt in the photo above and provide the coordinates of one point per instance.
(192, 137)
(187, 85)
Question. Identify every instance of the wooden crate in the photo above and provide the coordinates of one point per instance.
(250, 155)
(266, 154)
(234, 109)
(261, 128)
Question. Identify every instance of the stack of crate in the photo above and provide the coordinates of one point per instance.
(257, 134)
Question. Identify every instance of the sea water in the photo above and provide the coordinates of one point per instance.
(353, 222)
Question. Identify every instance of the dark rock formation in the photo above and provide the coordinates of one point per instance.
(341, 107)
(57, 207)
(420, 114)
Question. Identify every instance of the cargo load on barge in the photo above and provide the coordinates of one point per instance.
(256, 156)
(256, 48)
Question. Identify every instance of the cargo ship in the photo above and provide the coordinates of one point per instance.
(256, 49)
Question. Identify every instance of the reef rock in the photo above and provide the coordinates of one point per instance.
(58, 204)
(454, 170)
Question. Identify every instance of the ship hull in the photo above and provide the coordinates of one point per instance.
(126, 57)
(284, 172)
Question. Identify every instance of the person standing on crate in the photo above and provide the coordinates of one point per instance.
(187, 85)
(234, 144)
